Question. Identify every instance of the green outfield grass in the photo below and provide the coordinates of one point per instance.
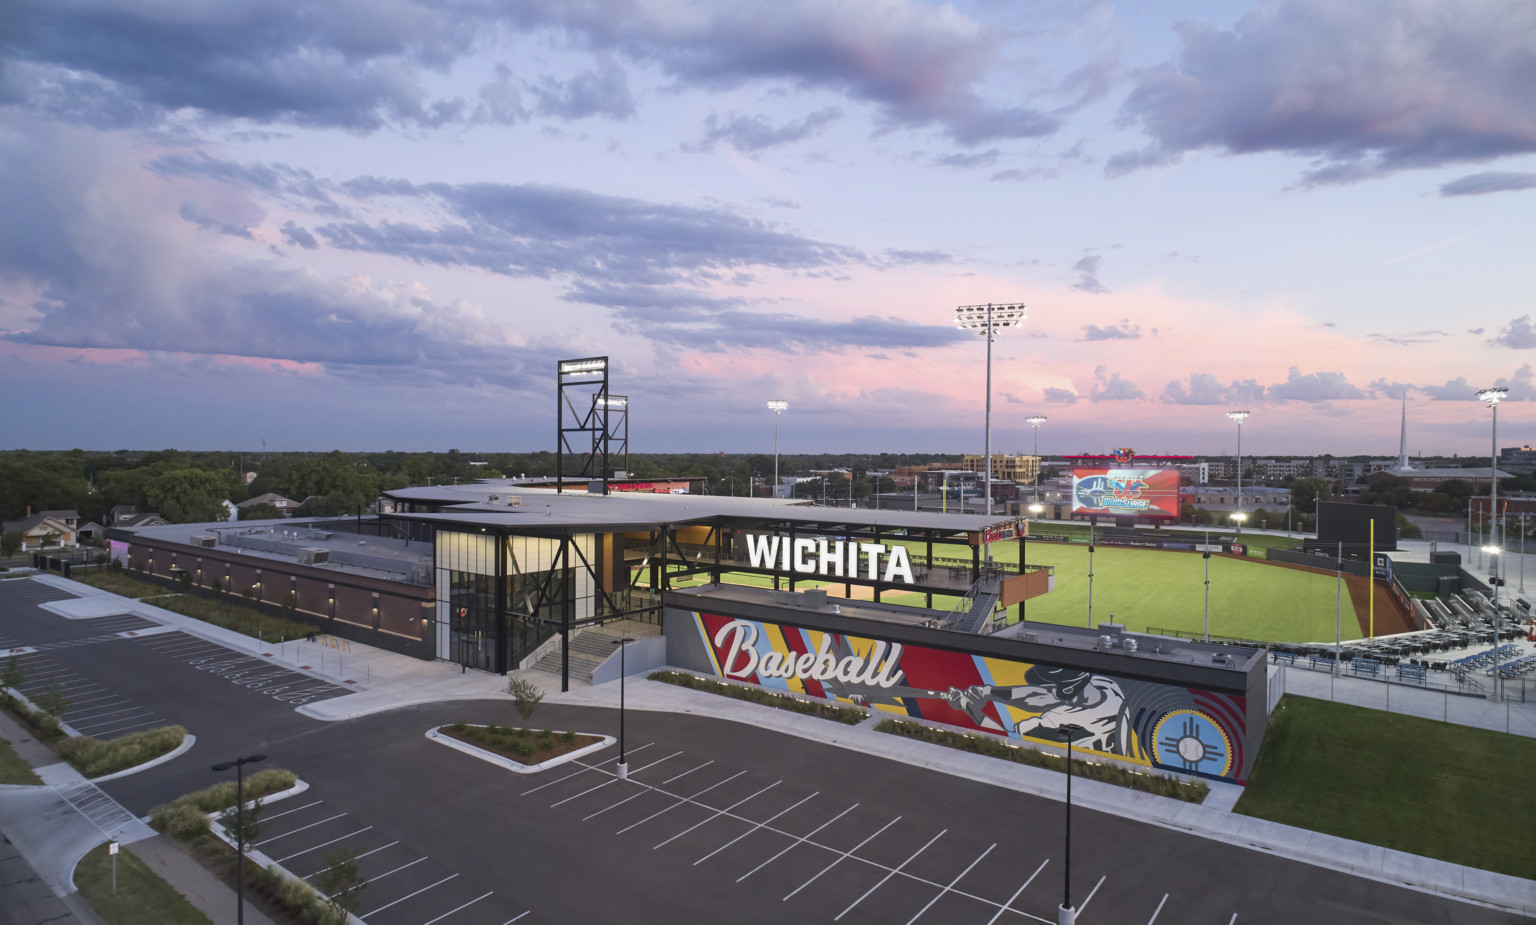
(1157, 588)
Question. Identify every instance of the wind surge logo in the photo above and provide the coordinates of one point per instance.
(1100, 492)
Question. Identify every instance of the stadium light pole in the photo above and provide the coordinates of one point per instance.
(778, 407)
(986, 320)
(1034, 421)
(239, 765)
(1492, 397)
(1035, 510)
(1239, 417)
(1090, 573)
(1206, 554)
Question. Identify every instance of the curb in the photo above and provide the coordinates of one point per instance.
(187, 741)
(508, 763)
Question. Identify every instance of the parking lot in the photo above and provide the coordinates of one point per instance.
(242, 669)
(402, 884)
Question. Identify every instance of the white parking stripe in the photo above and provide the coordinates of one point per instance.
(404, 898)
(1009, 903)
(951, 885)
(841, 857)
(636, 794)
(294, 810)
(750, 831)
(154, 722)
(102, 723)
(109, 708)
(1090, 894)
(1156, 911)
(611, 780)
(323, 844)
(718, 814)
(113, 697)
(687, 772)
(797, 842)
(388, 872)
(515, 918)
(889, 874)
(358, 858)
(296, 831)
(680, 802)
(452, 911)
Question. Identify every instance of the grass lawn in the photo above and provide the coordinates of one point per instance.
(142, 898)
(116, 582)
(234, 617)
(1433, 789)
(12, 769)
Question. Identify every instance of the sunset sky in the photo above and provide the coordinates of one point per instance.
(378, 225)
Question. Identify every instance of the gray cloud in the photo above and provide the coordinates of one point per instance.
(1107, 387)
(1489, 181)
(1521, 386)
(969, 161)
(289, 185)
(928, 257)
(602, 91)
(1437, 83)
(1206, 389)
(1475, 330)
(1122, 331)
(363, 67)
(195, 214)
(1519, 334)
(295, 233)
(1314, 387)
(751, 134)
(1057, 396)
(1088, 276)
(1392, 389)
(1409, 339)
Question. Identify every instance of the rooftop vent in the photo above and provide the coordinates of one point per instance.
(205, 540)
(314, 555)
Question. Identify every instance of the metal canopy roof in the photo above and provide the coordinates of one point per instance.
(537, 509)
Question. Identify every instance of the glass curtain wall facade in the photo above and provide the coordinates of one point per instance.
(500, 597)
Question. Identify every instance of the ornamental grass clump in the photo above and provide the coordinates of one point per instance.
(97, 757)
(821, 709)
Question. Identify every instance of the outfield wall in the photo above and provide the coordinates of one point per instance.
(1163, 703)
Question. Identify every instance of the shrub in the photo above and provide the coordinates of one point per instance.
(52, 701)
(568, 736)
(526, 697)
(523, 749)
(180, 820)
(95, 757)
(222, 795)
(217, 586)
(822, 709)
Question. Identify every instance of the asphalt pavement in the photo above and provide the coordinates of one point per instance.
(719, 820)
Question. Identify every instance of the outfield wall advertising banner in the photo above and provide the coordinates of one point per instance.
(1126, 492)
(1162, 726)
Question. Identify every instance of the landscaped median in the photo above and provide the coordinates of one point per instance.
(94, 758)
(190, 819)
(992, 746)
(822, 709)
(518, 748)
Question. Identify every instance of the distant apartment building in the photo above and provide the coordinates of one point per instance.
(1518, 458)
(1020, 469)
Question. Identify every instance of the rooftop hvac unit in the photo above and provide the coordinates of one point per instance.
(205, 540)
(314, 555)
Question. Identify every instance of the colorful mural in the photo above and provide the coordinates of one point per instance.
(1158, 725)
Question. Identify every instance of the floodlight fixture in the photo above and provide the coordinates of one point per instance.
(587, 367)
(613, 401)
(1492, 396)
(777, 406)
(1492, 550)
(1036, 508)
(1238, 516)
(1239, 416)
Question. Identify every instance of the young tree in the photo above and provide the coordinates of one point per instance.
(14, 675)
(341, 883)
(51, 700)
(10, 543)
(526, 697)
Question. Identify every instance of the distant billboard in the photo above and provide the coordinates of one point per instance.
(1126, 492)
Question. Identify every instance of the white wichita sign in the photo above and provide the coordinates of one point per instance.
(738, 640)
(817, 556)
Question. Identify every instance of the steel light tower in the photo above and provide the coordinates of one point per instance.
(986, 320)
(239, 765)
(1034, 421)
(778, 407)
(1493, 397)
(1239, 417)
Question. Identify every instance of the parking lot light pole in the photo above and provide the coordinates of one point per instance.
(623, 644)
(1067, 915)
(239, 765)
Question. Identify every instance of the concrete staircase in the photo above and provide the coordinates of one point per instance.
(588, 650)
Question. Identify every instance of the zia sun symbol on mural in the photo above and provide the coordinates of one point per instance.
(1189, 738)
